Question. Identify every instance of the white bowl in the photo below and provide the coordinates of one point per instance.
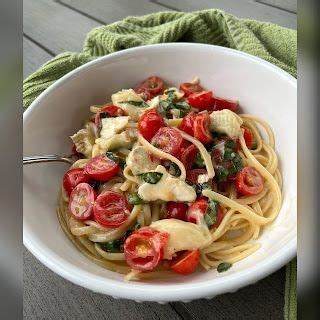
(262, 89)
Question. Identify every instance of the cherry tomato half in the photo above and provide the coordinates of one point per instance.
(185, 263)
(73, 177)
(101, 168)
(149, 123)
(81, 201)
(201, 128)
(168, 140)
(192, 175)
(201, 100)
(198, 207)
(186, 124)
(143, 249)
(112, 111)
(176, 210)
(154, 85)
(220, 104)
(111, 209)
(248, 136)
(189, 88)
(188, 156)
(249, 181)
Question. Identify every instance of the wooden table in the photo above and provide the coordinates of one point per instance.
(51, 27)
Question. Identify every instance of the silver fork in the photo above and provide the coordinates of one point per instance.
(47, 158)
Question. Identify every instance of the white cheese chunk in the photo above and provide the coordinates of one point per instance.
(226, 121)
(120, 140)
(183, 235)
(84, 140)
(111, 126)
(120, 98)
(139, 161)
(168, 188)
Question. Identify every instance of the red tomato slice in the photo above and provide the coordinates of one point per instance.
(220, 104)
(201, 100)
(197, 208)
(201, 128)
(176, 210)
(111, 209)
(81, 201)
(192, 175)
(186, 263)
(143, 249)
(249, 181)
(248, 136)
(149, 123)
(154, 85)
(112, 111)
(168, 140)
(190, 88)
(186, 124)
(101, 168)
(219, 218)
(73, 177)
(188, 156)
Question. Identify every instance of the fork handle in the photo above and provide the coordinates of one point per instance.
(46, 158)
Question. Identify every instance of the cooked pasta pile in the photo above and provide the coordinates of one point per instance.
(172, 215)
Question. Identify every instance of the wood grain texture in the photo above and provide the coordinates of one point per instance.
(55, 26)
(109, 11)
(289, 5)
(33, 57)
(48, 296)
(240, 8)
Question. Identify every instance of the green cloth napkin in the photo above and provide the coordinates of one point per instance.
(273, 43)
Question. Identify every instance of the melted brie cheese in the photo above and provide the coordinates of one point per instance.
(119, 99)
(111, 126)
(120, 140)
(226, 121)
(183, 235)
(139, 161)
(168, 188)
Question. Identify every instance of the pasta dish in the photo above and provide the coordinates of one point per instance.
(169, 180)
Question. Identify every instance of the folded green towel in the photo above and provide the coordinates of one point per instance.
(275, 44)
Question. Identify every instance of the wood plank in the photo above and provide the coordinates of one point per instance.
(289, 5)
(239, 8)
(263, 300)
(54, 26)
(33, 57)
(109, 11)
(48, 296)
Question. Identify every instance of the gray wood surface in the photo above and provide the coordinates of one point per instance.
(242, 9)
(34, 57)
(289, 5)
(110, 11)
(55, 26)
(51, 27)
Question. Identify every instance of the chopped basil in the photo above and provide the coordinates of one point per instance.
(103, 115)
(236, 164)
(198, 188)
(221, 173)
(199, 162)
(116, 159)
(211, 213)
(112, 246)
(156, 145)
(140, 104)
(230, 144)
(95, 184)
(129, 231)
(134, 198)
(168, 104)
(224, 266)
(182, 105)
(182, 113)
(152, 177)
(229, 154)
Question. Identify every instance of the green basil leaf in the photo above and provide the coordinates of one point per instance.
(116, 159)
(141, 104)
(199, 162)
(229, 154)
(174, 169)
(152, 177)
(103, 115)
(221, 173)
(111, 246)
(182, 105)
(134, 198)
(224, 266)
(230, 144)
